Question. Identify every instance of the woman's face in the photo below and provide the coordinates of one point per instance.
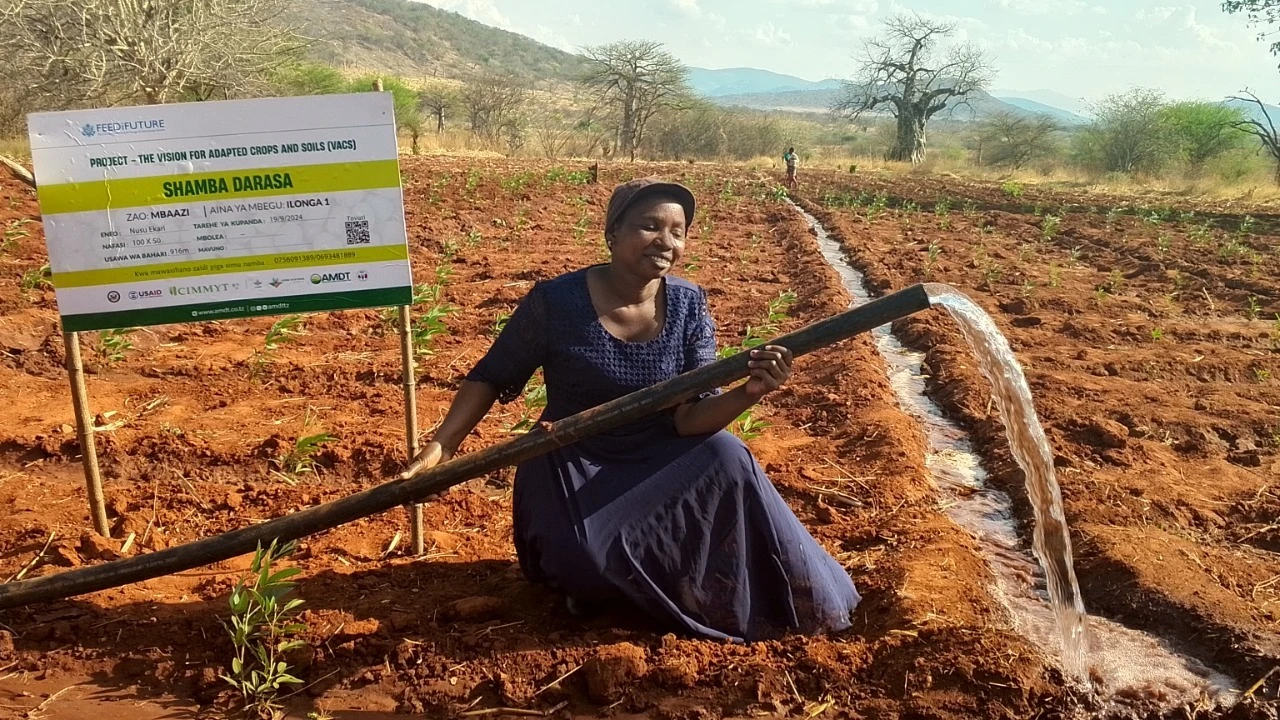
(649, 239)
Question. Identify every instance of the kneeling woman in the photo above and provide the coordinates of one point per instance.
(671, 513)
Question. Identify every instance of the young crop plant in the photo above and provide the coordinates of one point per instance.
(534, 400)
(264, 630)
(1164, 243)
(113, 344)
(38, 279)
(942, 208)
(1157, 334)
(1011, 189)
(1253, 309)
(1049, 226)
(282, 332)
(877, 206)
(299, 459)
(13, 233)
(1055, 275)
(933, 252)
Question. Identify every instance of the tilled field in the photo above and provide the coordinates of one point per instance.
(1166, 443)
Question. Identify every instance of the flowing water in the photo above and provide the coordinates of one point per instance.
(1043, 602)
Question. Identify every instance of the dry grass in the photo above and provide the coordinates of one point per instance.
(16, 148)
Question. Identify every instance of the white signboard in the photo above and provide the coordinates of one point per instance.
(215, 210)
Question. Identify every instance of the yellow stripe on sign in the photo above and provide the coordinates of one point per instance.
(219, 185)
(279, 264)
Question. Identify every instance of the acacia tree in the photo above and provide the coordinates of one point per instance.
(1128, 133)
(1262, 126)
(493, 105)
(1013, 140)
(438, 100)
(74, 52)
(906, 72)
(635, 79)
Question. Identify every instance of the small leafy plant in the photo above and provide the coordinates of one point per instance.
(1049, 226)
(282, 332)
(1254, 308)
(264, 629)
(1157, 334)
(1011, 189)
(534, 400)
(300, 459)
(113, 344)
(38, 279)
(747, 427)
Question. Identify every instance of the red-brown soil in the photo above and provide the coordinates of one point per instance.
(1169, 469)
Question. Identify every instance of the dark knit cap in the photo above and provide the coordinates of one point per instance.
(631, 192)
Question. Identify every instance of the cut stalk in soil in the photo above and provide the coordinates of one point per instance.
(420, 484)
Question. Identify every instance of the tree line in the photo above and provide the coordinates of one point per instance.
(630, 99)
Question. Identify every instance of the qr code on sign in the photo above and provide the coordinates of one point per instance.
(357, 232)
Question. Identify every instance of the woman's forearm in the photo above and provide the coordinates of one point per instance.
(470, 405)
(712, 414)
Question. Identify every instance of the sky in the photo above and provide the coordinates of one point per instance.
(1084, 49)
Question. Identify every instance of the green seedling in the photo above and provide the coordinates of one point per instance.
(300, 459)
(942, 208)
(1011, 189)
(534, 400)
(877, 206)
(13, 233)
(747, 427)
(779, 194)
(1055, 276)
(1261, 374)
(580, 228)
(1164, 243)
(474, 238)
(909, 207)
(38, 279)
(282, 332)
(1028, 289)
(1076, 253)
(448, 250)
(429, 325)
(473, 181)
(500, 324)
(1247, 224)
(264, 629)
(970, 208)
(1253, 309)
(1049, 226)
(113, 344)
(933, 252)
(1157, 334)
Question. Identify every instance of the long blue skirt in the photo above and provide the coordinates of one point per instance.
(688, 528)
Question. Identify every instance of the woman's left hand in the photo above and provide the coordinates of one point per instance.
(770, 369)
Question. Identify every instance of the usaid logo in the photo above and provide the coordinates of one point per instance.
(145, 294)
(128, 127)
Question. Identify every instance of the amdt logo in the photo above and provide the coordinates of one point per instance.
(341, 277)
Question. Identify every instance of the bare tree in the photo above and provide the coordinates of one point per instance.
(493, 103)
(905, 72)
(438, 101)
(637, 78)
(73, 52)
(1261, 126)
(1013, 140)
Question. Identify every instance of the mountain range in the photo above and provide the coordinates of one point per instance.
(414, 39)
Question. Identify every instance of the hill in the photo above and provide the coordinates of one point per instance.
(982, 104)
(745, 81)
(414, 39)
(1049, 98)
(1062, 116)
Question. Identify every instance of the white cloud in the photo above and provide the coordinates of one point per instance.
(483, 11)
(549, 36)
(772, 36)
(1156, 13)
(1042, 7)
(686, 7)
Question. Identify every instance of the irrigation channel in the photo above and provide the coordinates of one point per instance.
(1042, 602)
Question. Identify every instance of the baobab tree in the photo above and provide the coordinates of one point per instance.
(634, 80)
(907, 73)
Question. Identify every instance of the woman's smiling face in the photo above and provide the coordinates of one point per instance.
(649, 239)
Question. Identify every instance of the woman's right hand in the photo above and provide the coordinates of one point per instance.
(430, 456)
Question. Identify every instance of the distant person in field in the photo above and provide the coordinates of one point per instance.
(671, 513)
(789, 157)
